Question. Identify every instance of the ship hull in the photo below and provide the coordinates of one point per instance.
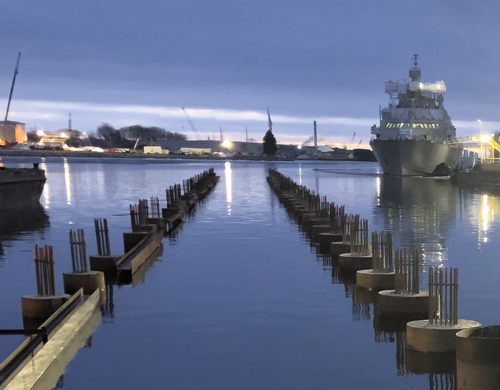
(414, 158)
(20, 187)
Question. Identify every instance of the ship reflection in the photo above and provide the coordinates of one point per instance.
(418, 212)
(18, 222)
(25, 220)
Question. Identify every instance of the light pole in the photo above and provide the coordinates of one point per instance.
(483, 147)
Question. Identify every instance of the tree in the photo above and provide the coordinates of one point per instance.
(270, 147)
(33, 136)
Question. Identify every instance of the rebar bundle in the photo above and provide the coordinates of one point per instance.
(44, 263)
(443, 296)
(407, 271)
(347, 223)
(382, 252)
(324, 209)
(155, 207)
(337, 220)
(78, 250)
(134, 216)
(445, 381)
(359, 237)
(102, 236)
(143, 211)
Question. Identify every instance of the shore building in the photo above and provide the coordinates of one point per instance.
(12, 132)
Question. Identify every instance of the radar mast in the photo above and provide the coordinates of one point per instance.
(415, 72)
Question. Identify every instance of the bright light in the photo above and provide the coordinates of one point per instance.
(63, 135)
(485, 138)
(299, 147)
(40, 133)
(227, 144)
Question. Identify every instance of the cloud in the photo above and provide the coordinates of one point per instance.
(27, 107)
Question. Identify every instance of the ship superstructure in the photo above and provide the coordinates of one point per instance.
(414, 130)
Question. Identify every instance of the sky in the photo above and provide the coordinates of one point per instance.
(126, 62)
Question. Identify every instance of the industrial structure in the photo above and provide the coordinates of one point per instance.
(12, 132)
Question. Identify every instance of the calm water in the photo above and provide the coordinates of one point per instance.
(240, 299)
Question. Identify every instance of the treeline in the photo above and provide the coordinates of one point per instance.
(106, 136)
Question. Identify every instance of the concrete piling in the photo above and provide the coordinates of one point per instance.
(82, 276)
(37, 308)
(359, 257)
(406, 298)
(381, 276)
(437, 334)
(104, 261)
(478, 358)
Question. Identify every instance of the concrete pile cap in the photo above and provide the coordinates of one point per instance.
(478, 358)
(426, 337)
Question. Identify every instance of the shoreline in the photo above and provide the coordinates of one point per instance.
(62, 153)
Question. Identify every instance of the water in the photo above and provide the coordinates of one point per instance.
(240, 299)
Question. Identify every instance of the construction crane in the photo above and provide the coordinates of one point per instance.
(12, 87)
(191, 124)
(353, 136)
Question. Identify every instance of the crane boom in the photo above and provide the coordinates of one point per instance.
(12, 86)
(191, 124)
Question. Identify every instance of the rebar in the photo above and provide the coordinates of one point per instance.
(155, 207)
(444, 381)
(337, 221)
(134, 216)
(324, 209)
(44, 265)
(407, 271)
(382, 252)
(359, 237)
(443, 296)
(347, 222)
(102, 236)
(78, 250)
(143, 211)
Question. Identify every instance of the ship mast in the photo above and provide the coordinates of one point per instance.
(415, 72)
(12, 87)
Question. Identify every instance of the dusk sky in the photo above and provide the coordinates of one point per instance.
(137, 62)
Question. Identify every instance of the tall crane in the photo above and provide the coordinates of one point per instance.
(353, 136)
(12, 87)
(191, 124)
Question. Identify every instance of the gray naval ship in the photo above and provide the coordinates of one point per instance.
(415, 135)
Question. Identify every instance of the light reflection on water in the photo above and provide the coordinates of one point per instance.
(238, 290)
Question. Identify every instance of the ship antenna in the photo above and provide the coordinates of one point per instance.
(415, 61)
(415, 73)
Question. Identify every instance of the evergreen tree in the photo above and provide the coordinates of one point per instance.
(270, 147)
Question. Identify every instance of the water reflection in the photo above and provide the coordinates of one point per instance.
(14, 223)
(67, 181)
(46, 192)
(419, 212)
(489, 207)
(108, 309)
(229, 185)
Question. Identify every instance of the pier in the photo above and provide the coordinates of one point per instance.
(58, 325)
